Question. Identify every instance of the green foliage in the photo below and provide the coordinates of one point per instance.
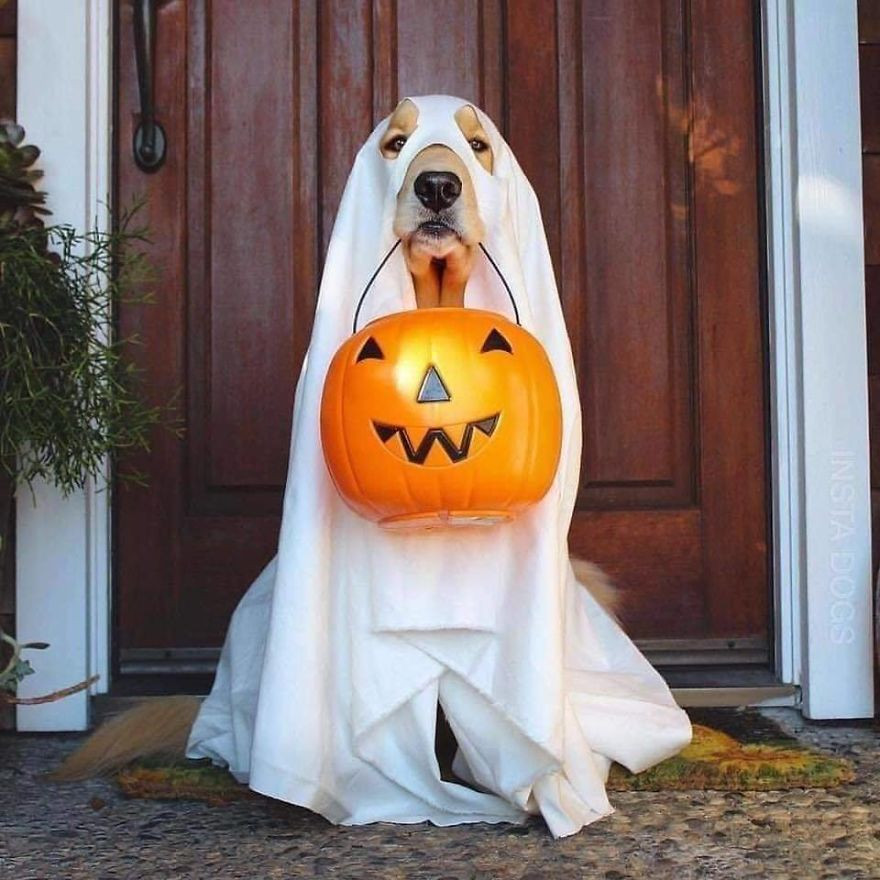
(68, 393)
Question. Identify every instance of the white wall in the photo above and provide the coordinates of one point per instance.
(62, 555)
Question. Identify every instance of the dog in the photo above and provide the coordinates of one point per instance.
(438, 222)
(437, 218)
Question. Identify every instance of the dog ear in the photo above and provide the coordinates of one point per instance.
(402, 103)
(401, 123)
(471, 126)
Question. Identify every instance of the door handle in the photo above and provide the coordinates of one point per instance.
(149, 137)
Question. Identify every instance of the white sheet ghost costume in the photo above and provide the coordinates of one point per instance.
(336, 657)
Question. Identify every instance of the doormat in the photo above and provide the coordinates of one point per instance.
(732, 750)
(737, 750)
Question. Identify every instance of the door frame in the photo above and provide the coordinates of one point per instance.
(821, 547)
(818, 355)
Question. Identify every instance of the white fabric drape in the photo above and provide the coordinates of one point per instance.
(336, 657)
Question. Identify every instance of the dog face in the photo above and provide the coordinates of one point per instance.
(437, 217)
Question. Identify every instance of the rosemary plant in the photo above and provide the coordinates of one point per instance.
(69, 394)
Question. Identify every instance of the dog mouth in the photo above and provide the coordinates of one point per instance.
(436, 229)
(437, 446)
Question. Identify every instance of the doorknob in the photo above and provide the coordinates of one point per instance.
(149, 137)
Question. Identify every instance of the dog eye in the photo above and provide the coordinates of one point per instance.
(496, 342)
(396, 144)
(478, 145)
(370, 350)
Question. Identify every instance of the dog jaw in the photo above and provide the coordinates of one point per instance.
(438, 246)
(438, 280)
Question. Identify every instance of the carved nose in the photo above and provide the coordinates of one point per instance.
(437, 189)
(433, 390)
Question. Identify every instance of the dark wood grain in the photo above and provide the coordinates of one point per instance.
(869, 21)
(871, 206)
(346, 99)
(249, 244)
(872, 316)
(634, 362)
(438, 48)
(149, 522)
(869, 94)
(654, 557)
(869, 89)
(531, 121)
(729, 319)
(9, 18)
(8, 79)
(636, 124)
(872, 306)
(670, 318)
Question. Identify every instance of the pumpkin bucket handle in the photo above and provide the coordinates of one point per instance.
(385, 259)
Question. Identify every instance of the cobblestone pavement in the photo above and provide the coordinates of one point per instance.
(87, 830)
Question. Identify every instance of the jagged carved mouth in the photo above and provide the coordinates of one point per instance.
(439, 437)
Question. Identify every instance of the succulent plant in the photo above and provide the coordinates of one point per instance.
(21, 203)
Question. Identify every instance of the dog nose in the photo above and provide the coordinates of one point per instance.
(437, 189)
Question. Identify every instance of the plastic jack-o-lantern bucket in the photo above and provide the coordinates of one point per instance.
(441, 416)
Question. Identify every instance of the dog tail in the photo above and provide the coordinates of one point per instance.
(598, 585)
(154, 727)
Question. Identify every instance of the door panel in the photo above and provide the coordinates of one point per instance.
(635, 122)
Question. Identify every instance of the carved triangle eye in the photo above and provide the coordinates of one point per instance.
(370, 350)
(496, 342)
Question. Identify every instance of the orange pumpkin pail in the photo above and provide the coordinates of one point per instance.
(441, 416)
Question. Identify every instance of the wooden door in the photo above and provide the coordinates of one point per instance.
(635, 121)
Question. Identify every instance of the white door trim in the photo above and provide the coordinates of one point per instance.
(819, 403)
(817, 340)
(785, 411)
(63, 545)
(99, 72)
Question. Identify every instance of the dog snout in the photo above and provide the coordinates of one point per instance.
(437, 190)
